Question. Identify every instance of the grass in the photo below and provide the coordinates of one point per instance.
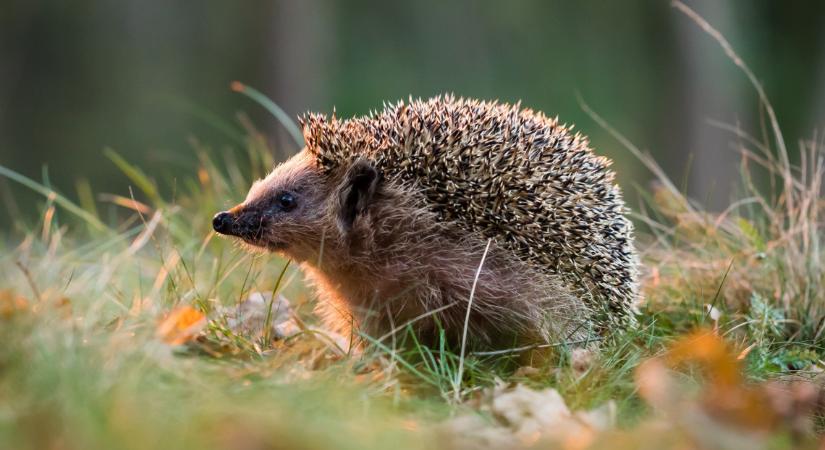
(82, 294)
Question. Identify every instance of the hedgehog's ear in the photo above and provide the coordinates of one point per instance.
(356, 192)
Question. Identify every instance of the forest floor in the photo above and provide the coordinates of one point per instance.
(136, 327)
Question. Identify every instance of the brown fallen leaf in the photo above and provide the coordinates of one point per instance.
(181, 325)
(11, 303)
(261, 316)
(726, 403)
(711, 353)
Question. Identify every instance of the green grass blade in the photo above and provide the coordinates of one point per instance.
(404, 363)
(87, 198)
(136, 175)
(273, 108)
(58, 199)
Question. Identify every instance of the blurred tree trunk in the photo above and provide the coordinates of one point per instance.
(13, 23)
(710, 91)
(818, 113)
(295, 62)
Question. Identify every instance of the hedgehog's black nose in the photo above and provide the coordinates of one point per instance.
(222, 222)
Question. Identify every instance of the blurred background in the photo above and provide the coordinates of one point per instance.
(147, 77)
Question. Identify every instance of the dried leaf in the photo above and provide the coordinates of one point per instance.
(711, 353)
(11, 303)
(726, 401)
(523, 417)
(181, 325)
(261, 316)
(744, 353)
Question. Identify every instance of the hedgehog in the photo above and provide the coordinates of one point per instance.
(454, 218)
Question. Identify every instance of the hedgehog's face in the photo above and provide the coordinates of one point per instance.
(296, 209)
(283, 213)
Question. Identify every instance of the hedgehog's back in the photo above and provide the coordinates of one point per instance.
(506, 173)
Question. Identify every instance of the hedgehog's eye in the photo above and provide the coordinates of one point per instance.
(286, 201)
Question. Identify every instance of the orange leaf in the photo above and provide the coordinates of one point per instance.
(203, 176)
(711, 352)
(181, 325)
(11, 303)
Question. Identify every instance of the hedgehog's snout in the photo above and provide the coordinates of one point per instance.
(222, 222)
(247, 225)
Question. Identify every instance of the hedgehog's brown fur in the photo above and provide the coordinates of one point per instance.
(395, 209)
(401, 262)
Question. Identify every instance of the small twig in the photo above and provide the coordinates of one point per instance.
(30, 280)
